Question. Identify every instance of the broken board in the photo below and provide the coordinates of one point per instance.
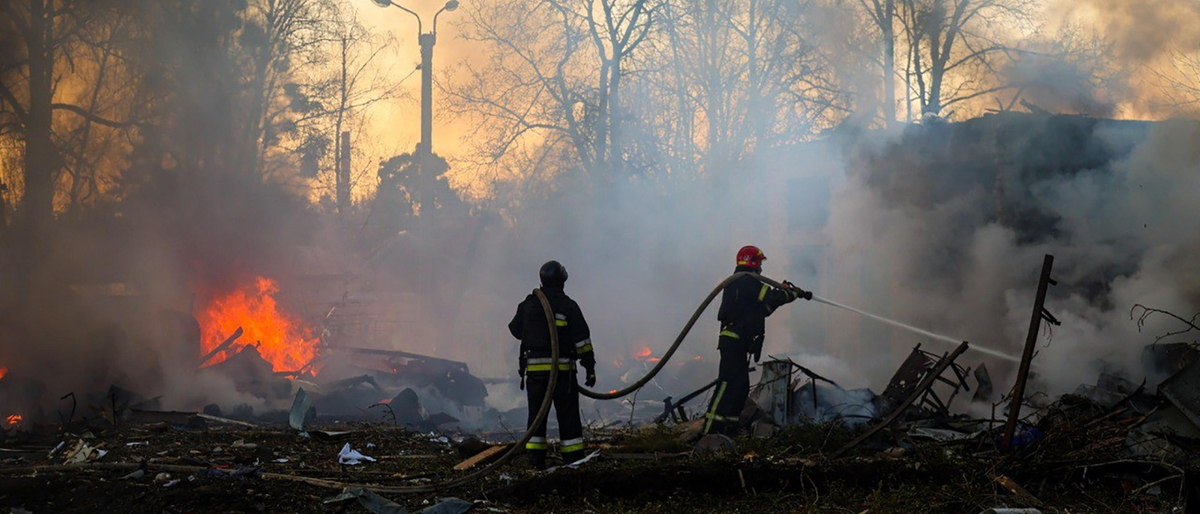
(480, 457)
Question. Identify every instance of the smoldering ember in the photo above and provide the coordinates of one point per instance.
(820, 256)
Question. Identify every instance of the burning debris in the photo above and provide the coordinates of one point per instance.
(252, 314)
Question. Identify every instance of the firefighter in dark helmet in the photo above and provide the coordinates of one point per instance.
(575, 344)
(745, 304)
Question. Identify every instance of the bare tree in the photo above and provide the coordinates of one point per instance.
(335, 98)
(746, 71)
(615, 36)
(38, 33)
(953, 46)
(883, 15)
(1179, 82)
(556, 78)
(102, 83)
(279, 38)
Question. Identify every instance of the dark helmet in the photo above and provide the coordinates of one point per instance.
(553, 274)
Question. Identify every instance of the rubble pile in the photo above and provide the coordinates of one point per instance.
(811, 446)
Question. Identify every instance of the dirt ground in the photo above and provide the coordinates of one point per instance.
(644, 471)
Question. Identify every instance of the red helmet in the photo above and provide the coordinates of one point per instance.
(751, 256)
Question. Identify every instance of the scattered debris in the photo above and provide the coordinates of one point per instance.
(482, 457)
(909, 380)
(715, 444)
(917, 392)
(369, 500)
(184, 419)
(1183, 391)
(348, 457)
(448, 506)
(300, 407)
(1017, 490)
(218, 419)
(82, 452)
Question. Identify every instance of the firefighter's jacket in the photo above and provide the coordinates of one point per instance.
(574, 338)
(745, 305)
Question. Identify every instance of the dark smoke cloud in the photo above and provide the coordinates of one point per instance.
(945, 227)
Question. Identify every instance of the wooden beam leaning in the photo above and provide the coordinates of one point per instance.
(1039, 310)
(924, 385)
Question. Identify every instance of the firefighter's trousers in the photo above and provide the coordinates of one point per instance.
(733, 387)
(566, 407)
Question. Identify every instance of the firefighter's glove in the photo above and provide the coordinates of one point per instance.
(591, 378)
(521, 371)
(791, 291)
(756, 350)
(795, 292)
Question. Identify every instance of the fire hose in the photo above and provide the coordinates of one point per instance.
(547, 399)
(674, 346)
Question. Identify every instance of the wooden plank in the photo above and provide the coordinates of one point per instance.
(222, 347)
(1019, 491)
(480, 457)
(1035, 323)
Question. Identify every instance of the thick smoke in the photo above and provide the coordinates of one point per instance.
(927, 226)
(1148, 48)
(1143, 30)
(954, 245)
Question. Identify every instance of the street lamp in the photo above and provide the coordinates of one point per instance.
(426, 40)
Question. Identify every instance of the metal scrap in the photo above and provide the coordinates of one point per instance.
(1183, 391)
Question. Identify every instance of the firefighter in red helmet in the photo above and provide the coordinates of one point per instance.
(745, 304)
(574, 344)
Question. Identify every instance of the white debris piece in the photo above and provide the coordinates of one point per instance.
(352, 457)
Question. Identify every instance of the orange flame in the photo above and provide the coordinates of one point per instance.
(14, 419)
(3, 371)
(645, 354)
(286, 342)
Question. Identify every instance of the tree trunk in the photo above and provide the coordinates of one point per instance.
(889, 63)
(41, 163)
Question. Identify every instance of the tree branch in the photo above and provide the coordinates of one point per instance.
(1147, 311)
(93, 117)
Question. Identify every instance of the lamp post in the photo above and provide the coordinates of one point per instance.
(426, 40)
